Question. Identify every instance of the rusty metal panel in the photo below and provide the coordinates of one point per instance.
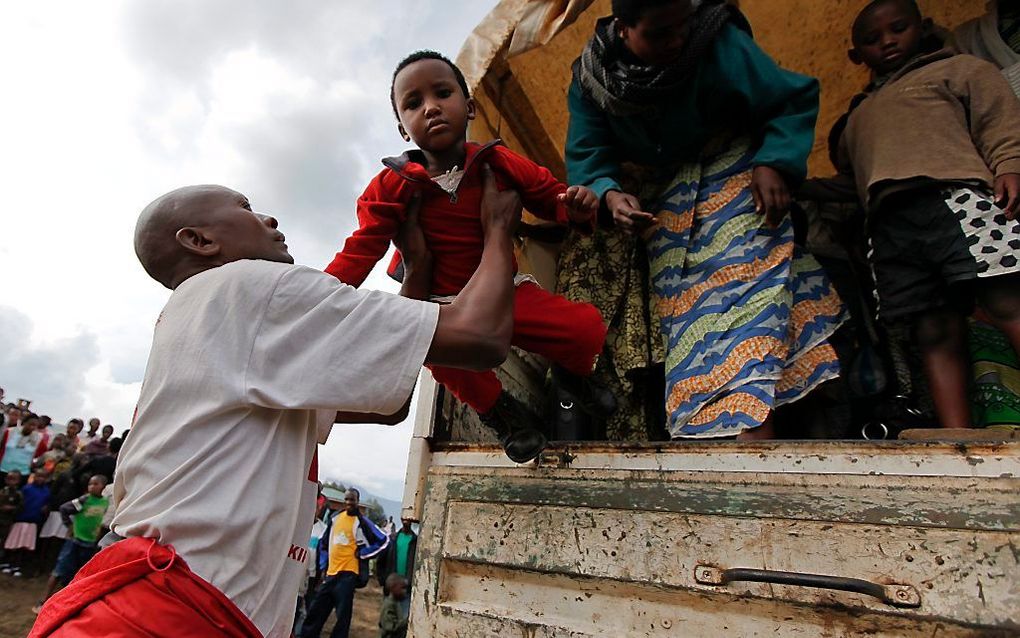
(613, 552)
(797, 457)
(957, 503)
(492, 601)
(944, 566)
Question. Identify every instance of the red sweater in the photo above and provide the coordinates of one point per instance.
(452, 224)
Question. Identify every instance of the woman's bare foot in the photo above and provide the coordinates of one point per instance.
(764, 432)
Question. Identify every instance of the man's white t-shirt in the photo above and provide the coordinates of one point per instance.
(249, 364)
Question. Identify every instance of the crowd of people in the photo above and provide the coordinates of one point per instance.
(55, 500)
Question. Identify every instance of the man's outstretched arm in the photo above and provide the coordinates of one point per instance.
(474, 331)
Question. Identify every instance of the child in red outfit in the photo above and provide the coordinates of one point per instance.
(431, 102)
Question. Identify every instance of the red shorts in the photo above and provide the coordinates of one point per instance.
(137, 587)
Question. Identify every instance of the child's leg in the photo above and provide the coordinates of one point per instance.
(999, 297)
(568, 333)
(942, 338)
(480, 390)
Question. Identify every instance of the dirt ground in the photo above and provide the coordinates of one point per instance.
(17, 595)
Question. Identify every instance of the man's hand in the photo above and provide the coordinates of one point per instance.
(415, 253)
(581, 202)
(627, 213)
(501, 210)
(771, 194)
(475, 329)
(410, 240)
(1007, 194)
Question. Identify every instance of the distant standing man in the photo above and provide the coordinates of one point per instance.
(402, 550)
(350, 537)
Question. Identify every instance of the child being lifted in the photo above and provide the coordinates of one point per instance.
(933, 148)
(430, 98)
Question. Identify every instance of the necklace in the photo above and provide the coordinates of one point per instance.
(450, 181)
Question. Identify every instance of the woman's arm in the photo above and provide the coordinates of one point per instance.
(590, 155)
(785, 104)
(592, 160)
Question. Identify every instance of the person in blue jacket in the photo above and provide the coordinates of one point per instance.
(351, 539)
(692, 137)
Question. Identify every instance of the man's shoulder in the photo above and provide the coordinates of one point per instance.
(246, 269)
(250, 277)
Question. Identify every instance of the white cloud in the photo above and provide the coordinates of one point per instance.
(114, 103)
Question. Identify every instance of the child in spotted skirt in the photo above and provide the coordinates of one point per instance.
(933, 151)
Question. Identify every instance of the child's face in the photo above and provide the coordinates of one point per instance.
(96, 486)
(432, 108)
(41, 478)
(12, 479)
(398, 589)
(887, 37)
(660, 34)
(107, 432)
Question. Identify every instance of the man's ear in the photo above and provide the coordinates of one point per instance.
(855, 56)
(471, 108)
(403, 132)
(195, 241)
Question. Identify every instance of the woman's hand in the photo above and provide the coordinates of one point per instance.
(627, 213)
(771, 194)
(581, 202)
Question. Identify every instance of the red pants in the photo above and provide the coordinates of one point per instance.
(138, 587)
(567, 333)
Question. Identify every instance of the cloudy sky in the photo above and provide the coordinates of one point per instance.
(109, 104)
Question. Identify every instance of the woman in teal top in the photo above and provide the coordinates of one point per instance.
(692, 136)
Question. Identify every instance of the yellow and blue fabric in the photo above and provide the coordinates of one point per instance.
(744, 315)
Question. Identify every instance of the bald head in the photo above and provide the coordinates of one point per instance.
(195, 228)
(156, 231)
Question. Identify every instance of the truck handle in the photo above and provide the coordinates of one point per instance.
(892, 594)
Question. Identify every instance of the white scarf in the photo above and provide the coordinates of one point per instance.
(980, 37)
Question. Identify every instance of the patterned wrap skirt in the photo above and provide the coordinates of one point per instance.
(744, 315)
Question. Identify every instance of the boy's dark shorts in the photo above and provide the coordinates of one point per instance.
(73, 556)
(927, 244)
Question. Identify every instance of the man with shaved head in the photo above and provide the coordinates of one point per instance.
(253, 359)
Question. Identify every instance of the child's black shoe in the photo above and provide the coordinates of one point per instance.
(518, 428)
(595, 400)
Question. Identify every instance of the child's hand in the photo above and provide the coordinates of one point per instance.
(581, 203)
(1007, 194)
(410, 240)
(627, 213)
(771, 194)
